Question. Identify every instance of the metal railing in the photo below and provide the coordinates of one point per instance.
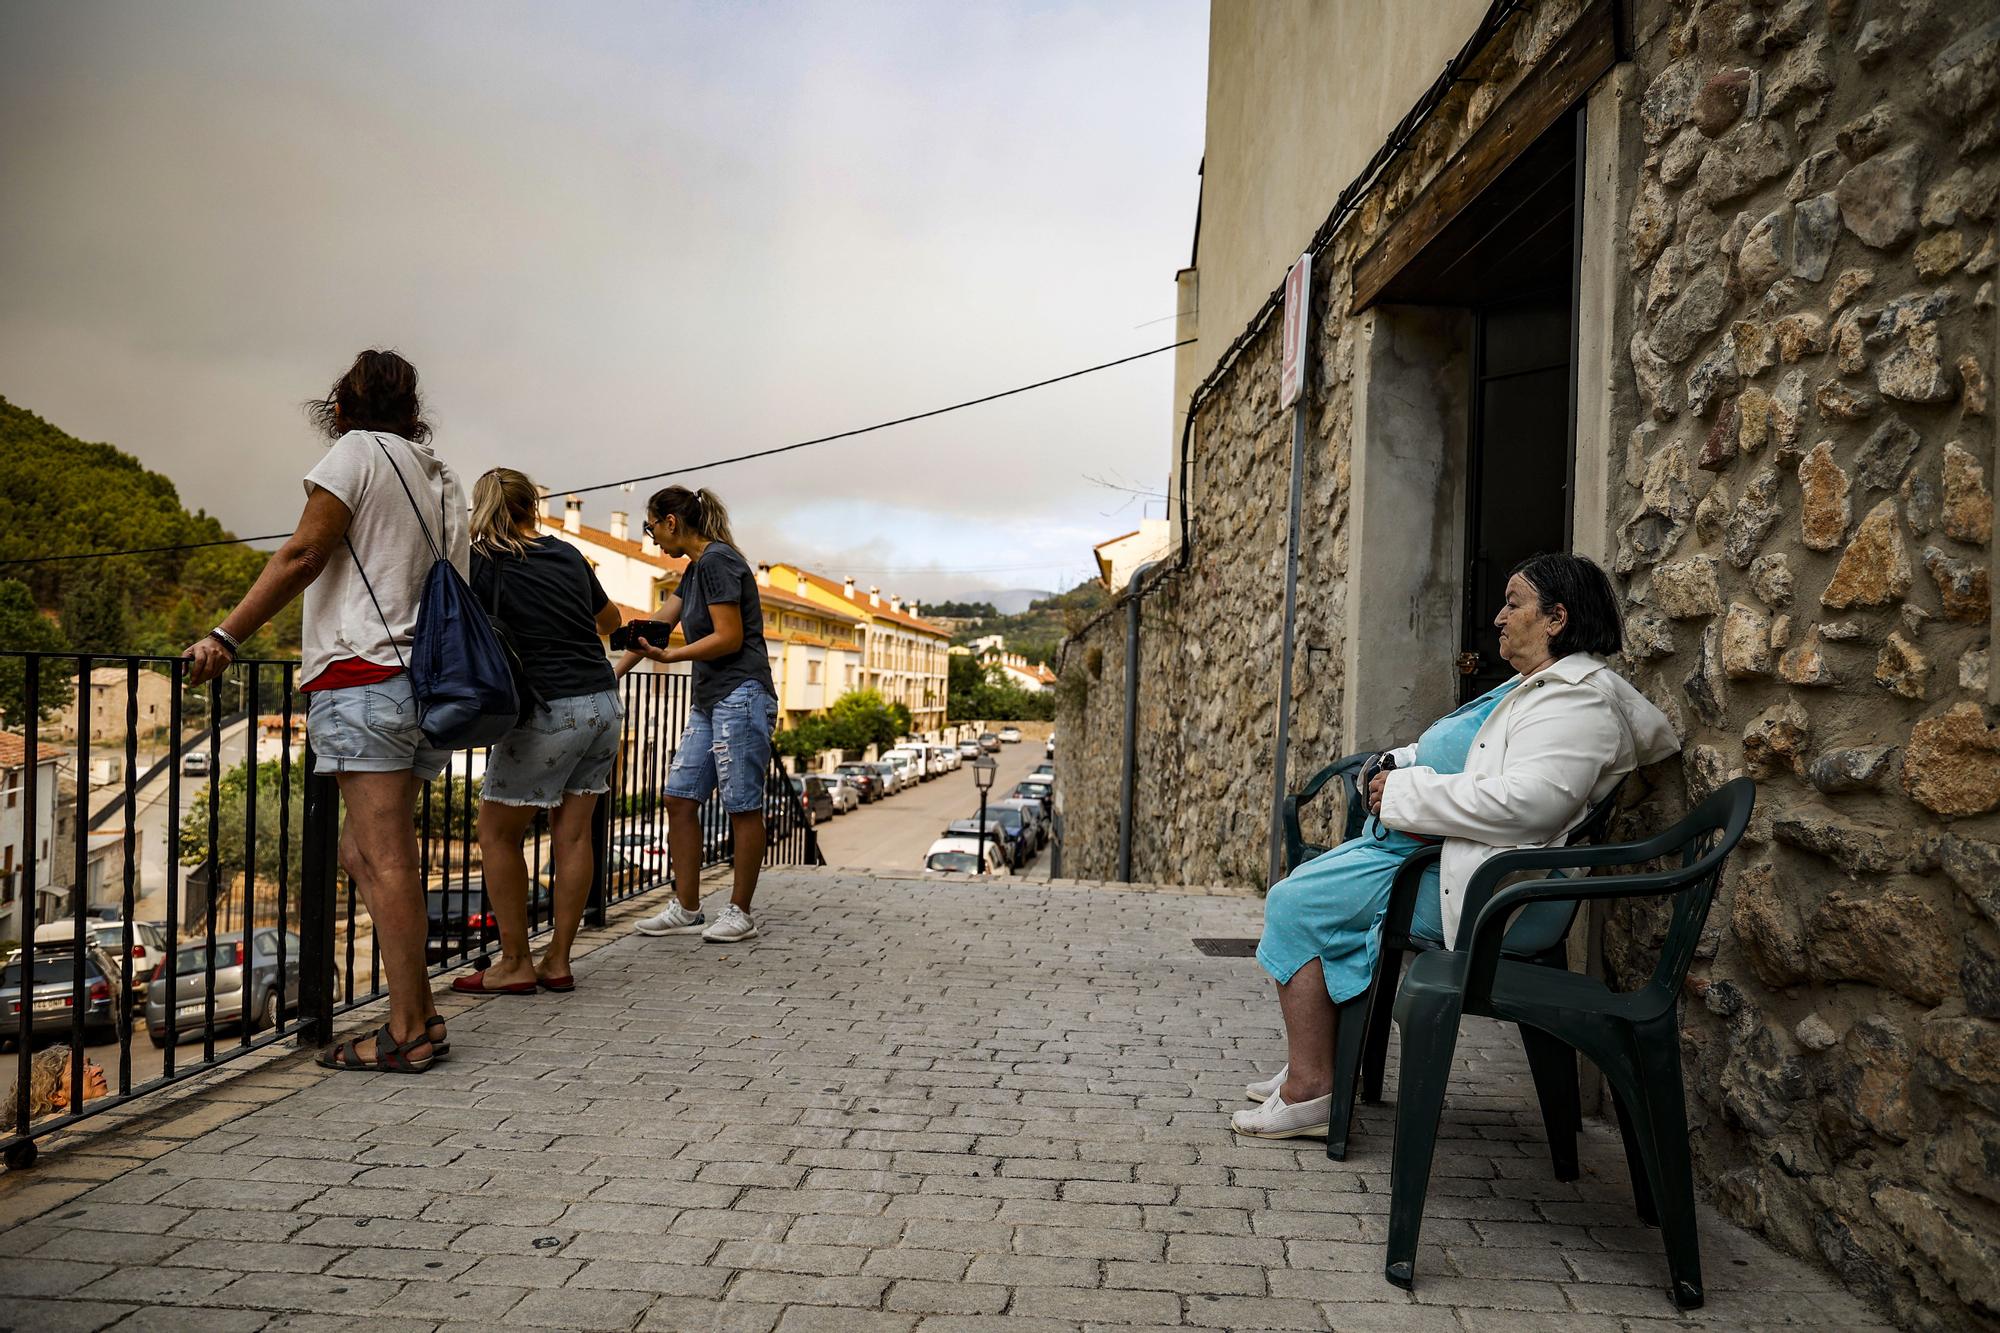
(179, 861)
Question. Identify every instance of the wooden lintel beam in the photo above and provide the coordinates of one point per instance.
(1576, 62)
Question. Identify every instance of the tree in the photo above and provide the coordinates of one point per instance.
(854, 722)
(231, 825)
(93, 617)
(23, 629)
(981, 692)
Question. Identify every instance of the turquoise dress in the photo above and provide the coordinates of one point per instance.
(1331, 907)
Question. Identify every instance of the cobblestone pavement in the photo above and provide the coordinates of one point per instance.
(909, 1106)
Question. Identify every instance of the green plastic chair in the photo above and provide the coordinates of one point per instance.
(1633, 1038)
(1361, 1033)
(1539, 935)
(1347, 768)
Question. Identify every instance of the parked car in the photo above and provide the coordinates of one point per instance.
(996, 833)
(959, 855)
(919, 759)
(52, 991)
(943, 757)
(1045, 771)
(648, 851)
(149, 943)
(461, 920)
(837, 803)
(969, 749)
(989, 741)
(1042, 793)
(867, 783)
(194, 764)
(814, 798)
(1032, 815)
(257, 1007)
(892, 777)
(907, 772)
(1010, 735)
(846, 795)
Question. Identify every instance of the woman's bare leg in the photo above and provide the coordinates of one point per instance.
(575, 862)
(1310, 1019)
(378, 846)
(501, 828)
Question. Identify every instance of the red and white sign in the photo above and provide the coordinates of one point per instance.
(1298, 305)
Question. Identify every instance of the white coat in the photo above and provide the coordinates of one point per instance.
(1554, 745)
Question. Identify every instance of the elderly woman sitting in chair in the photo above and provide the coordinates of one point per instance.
(1517, 767)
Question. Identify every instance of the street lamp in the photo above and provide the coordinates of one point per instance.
(983, 769)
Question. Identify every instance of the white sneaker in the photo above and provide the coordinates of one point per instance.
(676, 920)
(1261, 1091)
(1275, 1120)
(734, 924)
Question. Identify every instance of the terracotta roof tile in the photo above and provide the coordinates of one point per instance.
(882, 612)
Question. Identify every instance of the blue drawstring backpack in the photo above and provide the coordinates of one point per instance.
(462, 668)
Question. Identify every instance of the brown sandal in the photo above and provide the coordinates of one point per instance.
(391, 1056)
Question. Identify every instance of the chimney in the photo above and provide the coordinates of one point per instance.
(763, 576)
(618, 524)
(802, 583)
(572, 515)
(548, 514)
(849, 589)
(895, 602)
(913, 608)
(874, 596)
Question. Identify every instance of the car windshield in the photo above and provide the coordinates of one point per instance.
(47, 971)
(1008, 819)
(963, 862)
(190, 960)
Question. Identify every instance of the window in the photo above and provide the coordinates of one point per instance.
(812, 673)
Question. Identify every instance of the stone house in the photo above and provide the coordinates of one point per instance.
(1703, 290)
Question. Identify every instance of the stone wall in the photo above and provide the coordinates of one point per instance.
(1800, 466)
(1807, 555)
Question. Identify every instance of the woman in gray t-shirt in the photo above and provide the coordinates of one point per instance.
(727, 743)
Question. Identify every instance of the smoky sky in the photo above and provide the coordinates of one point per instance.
(617, 238)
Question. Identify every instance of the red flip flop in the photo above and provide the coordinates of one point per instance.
(476, 985)
(558, 984)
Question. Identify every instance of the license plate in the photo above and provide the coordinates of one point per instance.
(51, 1006)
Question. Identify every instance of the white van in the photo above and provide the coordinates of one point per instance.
(919, 762)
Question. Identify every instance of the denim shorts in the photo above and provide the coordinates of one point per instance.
(729, 747)
(565, 748)
(371, 729)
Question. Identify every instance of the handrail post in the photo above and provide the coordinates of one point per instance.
(319, 876)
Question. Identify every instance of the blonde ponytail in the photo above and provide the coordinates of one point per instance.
(503, 501)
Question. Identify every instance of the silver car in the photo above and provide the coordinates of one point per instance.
(256, 1006)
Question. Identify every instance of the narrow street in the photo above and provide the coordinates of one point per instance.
(894, 834)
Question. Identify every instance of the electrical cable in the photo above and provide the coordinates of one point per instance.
(670, 472)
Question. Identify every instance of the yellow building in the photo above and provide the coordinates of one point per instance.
(903, 655)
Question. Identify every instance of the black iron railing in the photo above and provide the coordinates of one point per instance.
(169, 864)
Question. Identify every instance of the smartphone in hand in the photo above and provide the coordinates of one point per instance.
(654, 632)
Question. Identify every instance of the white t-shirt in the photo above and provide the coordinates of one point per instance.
(340, 619)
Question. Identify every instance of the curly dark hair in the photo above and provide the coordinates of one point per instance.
(378, 392)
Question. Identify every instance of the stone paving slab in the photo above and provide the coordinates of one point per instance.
(915, 1106)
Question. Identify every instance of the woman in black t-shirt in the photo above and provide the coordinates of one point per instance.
(559, 758)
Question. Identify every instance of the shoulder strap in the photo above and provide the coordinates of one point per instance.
(436, 551)
(378, 605)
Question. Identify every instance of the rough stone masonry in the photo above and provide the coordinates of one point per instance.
(1803, 515)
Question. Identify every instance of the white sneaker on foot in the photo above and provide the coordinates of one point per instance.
(732, 925)
(1275, 1120)
(676, 920)
(1261, 1090)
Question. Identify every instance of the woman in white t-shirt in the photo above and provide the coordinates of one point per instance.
(378, 507)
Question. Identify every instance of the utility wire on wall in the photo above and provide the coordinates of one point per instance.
(670, 472)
